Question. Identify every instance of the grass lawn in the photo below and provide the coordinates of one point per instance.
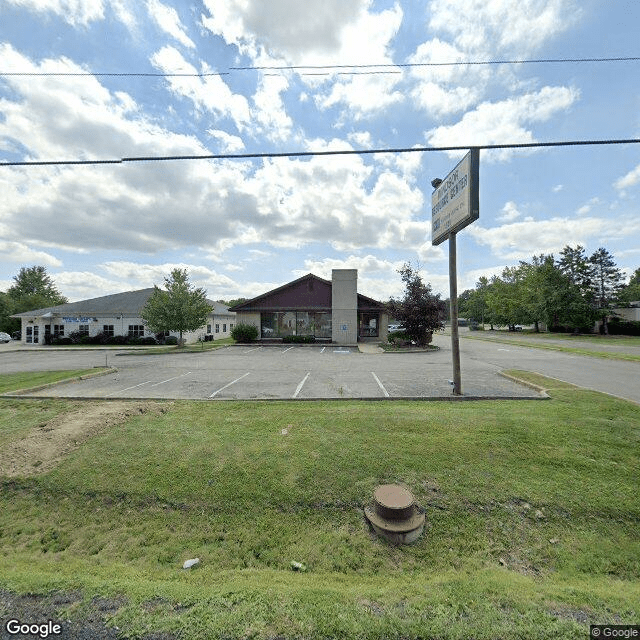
(533, 514)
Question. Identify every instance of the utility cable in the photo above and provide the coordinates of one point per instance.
(306, 154)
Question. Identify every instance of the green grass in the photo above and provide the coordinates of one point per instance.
(15, 381)
(532, 511)
(188, 348)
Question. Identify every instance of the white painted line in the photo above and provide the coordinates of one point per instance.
(228, 385)
(503, 349)
(135, 386)
(323, 348)
(301, 385)
(288, 349)
(170, 379)
(250, 350)
(386, 393)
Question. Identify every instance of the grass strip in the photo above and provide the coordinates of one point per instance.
(575, 350)
(11, 382)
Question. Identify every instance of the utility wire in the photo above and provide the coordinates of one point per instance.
(306, 154)
(312, 70)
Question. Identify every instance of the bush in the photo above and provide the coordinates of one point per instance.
(619, 327)
(171, 340)
(57, 341)
(244, 333)
(299, 339)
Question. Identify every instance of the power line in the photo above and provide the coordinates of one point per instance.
(313, 70)
(306, 154)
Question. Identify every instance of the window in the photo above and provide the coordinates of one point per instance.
(230, 327)
(217, 328)
(36, 329)
(83, 329)
(29, 334)
(286, 323)
(136, 330)
(368, 325)
(224, 328)
(208, 328)
(107, 329)
(58, 330)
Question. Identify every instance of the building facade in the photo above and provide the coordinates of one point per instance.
(330, 310)
(114, 315)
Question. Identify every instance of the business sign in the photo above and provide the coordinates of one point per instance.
(83, 319)
(456, 202)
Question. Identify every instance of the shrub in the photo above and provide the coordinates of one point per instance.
(244, 333)
(171, 340)
(619, 327)
(299, 339)
(56, 341)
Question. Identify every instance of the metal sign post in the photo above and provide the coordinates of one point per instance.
(455, 203)
(453, 308)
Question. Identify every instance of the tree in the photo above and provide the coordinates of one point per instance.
(631, 292)
(607, 282)
(574, 263)
(32, 289)
(180, 308)
(421, 312)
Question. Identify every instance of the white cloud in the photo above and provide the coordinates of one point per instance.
(168, 20)
(521, 240)
(228, 143)
(20, 252)
(504, 122)
(628, 180)
(586, 208)
(316, 32)
(75, 12)
(513, 26)
(208, 93)
(509, 212)
(558, 188)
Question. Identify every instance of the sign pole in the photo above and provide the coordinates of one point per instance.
(453, 307)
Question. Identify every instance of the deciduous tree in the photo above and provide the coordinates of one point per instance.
(420, 311)
(180, 308)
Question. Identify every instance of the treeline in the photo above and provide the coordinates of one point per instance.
(32, 289)
(570, 293)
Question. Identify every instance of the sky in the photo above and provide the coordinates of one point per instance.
(252, 77)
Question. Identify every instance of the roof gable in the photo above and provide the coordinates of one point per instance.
(308, 292)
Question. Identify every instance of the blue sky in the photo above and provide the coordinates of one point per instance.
(242, 227)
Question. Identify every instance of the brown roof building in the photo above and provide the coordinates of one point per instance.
(330, 310)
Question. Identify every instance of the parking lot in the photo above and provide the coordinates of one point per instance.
(267, 372)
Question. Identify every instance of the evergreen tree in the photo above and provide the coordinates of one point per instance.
(607, 282)
(575, 264)
(631, 292)
(179, 308)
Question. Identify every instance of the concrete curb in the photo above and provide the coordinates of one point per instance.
(270, 400)
(541, 390)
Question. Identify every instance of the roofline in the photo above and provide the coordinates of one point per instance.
(307, 276)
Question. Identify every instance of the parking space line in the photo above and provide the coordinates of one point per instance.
(228, 385)
(170, 379)
(386, 393)
(322, 350)
(287, 349)
(250, 350)
(135, 386)
(299, 387)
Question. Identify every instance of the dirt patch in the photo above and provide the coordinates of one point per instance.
(47, 444)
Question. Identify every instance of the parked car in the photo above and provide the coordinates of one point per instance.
(4, 337)
(17, 335)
